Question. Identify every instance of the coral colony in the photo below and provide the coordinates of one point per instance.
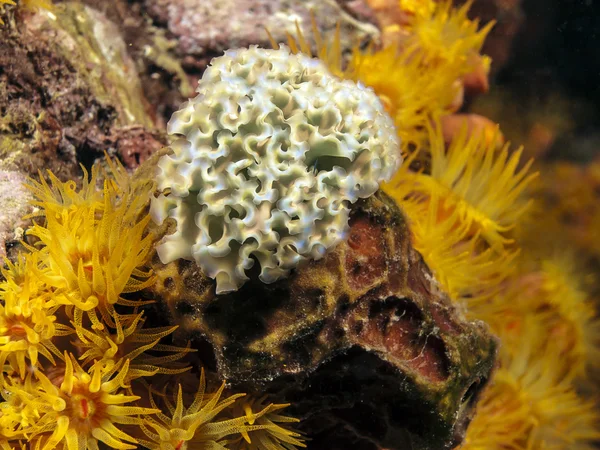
(266, 167)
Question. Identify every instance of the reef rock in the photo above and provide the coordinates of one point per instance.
(363, 344)
(173, 41)
(14, 198)
(68, 91)
(203, 29)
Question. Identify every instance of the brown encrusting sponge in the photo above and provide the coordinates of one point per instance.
(362, 343)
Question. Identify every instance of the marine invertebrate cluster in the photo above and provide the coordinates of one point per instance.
(94, 260)
(567, 200)
(529, 406)
(443, 36)
(547, 293)
(274, 150)
(192, 424)
(464, 209)
(478, 180)
(83, 409)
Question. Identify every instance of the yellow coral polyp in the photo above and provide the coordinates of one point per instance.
(5, 439)
(467, 272)
(548, 294)
(419, 79)
(130, 343)
(483, 184)
(568, 315)
(411, 93)
(527, 406)
(266, 427)
(192, 427)
(85, 409)
(419, 9)
(59, 197)
(11, 421)
(27, 320)
(444, 36)
(94, 254)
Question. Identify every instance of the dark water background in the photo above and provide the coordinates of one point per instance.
(557, 52)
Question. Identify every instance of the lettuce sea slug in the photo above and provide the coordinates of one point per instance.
(265, 163)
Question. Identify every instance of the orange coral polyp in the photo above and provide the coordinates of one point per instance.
(411, 93)
(83, 407)
(527, 406)
(444, 36)
(568, 314)
(266, 428)
(62, 199)
(194, 426)
(86, 408)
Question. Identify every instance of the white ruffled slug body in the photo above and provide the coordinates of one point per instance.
(267, 159)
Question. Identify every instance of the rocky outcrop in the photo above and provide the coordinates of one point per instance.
(362, 342)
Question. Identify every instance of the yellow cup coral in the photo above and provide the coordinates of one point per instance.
(27, 317)
(92, 260)
(88, 249)
(84, 409)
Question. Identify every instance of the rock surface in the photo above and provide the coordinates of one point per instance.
(67, 89)
(362, 343)
(174, 40)
(14, 198)
(205, 29)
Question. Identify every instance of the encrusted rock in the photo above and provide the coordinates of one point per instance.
(135, 144)
(365, 346)
(203, 28)
(67, 84)
(68, 92)
(14, 198)
(174, 47)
